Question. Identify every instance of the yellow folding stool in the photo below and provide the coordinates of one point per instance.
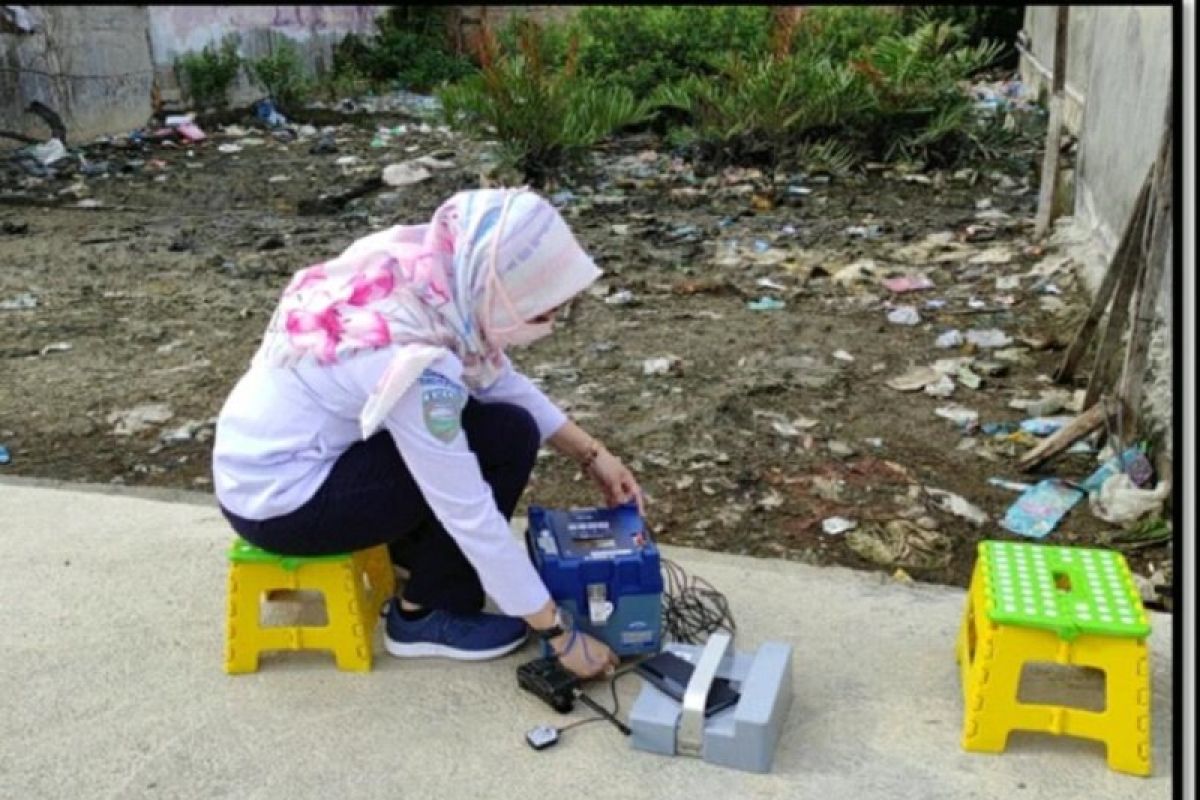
(1064, 605)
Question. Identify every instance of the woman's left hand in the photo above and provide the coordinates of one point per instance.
(615, 480)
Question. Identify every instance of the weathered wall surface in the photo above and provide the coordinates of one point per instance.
(1119, 79)
(91, 64)
(175, 30)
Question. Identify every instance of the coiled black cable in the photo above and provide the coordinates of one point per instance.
(692, 607)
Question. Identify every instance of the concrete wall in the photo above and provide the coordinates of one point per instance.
(1118, 80)
(175, 30)
(91, 64)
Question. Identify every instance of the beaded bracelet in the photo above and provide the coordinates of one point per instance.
(592, 455)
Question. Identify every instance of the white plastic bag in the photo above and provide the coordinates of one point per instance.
(1120, 501)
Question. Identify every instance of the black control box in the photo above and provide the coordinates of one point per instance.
(550, 681)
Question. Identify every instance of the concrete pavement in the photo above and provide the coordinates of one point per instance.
(111, 686)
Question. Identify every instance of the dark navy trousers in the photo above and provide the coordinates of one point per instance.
(370, 498)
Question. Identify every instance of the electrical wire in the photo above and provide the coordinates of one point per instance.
(692, 607)
(612, 685)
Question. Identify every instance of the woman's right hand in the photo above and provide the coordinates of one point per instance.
(584, 656)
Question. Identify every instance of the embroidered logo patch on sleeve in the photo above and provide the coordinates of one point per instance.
(442, 402)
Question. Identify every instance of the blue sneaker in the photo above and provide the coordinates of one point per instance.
(466, 637)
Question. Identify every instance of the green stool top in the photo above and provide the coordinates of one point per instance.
(1069, 590)
(242, 552)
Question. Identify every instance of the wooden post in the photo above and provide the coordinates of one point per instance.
(1116, 268)
(1103, 377)
(1047, 197)
(1066, 436)
(1159, 234)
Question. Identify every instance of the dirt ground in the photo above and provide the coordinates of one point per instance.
(753, 436)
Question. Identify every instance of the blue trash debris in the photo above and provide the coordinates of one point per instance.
(1038, 510)
(765, 304)
(1044, 426)
(5, 457)
(1133, 461)
(266, 111)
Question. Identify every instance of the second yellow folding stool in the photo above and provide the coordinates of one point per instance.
(1063, 605)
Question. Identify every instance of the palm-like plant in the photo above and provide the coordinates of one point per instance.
(544, 118)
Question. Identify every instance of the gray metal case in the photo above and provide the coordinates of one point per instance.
(742, 737)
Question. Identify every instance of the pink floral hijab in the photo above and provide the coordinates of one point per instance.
(469, 283)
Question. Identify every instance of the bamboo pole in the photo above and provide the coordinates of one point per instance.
(1047, 197)
(1158, 232)
(1116, 268)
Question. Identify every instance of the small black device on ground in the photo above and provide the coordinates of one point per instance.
(671, 674)
(550, 681)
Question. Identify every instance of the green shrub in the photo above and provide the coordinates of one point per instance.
(643, 47)
(897, 97)
(206, 76)
(979, 23)
(919, 107)
(841, 33)
(410, 50)
(544, 117)
(281, 74)
(768, 108)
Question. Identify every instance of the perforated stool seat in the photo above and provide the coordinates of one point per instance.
(354, 585)
(1063, 605)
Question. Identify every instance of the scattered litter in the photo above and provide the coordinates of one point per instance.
(765, 304)
(901, 543)
(968, 378)
(49, 152)
(1039, 509)
(942, 388)
(56, 347)
(191, 132)
(1049, 403)
(660, 366)
(89, 203)
(951, 338)
(990, 369)
(1044, 426)
(348, 161)
(434, 163)
(995, 255)
(266, 111)
(840, 449)
(908, 283)
(904, 315)
(279, 179)
(1012, 486)
(1133, 462)
(20, 302)
(1015, 355)
(873, 231)
(935, 304)
(958, 506)
(325, 145)
(403, 174)
(842, 355)
(5, 457)
(914, 380)
(989, 337)
(139, 418)
(1121, 502)
(230, 147)
(951, 366)
(961, 416)
(767, 283)
(855, 273)
(836, 526)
